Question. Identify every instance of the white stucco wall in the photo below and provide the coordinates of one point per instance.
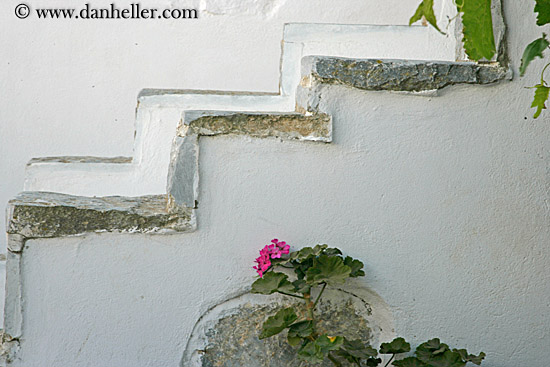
(445, 206)
(69, 87)
(445, 199)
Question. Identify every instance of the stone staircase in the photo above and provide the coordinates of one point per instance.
(158, 112)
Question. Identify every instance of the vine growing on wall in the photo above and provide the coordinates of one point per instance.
(479, 40)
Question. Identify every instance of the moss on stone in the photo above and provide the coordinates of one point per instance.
(402, 75)
(281, 125)
(44, 214)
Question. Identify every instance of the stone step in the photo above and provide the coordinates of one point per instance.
(183, 174)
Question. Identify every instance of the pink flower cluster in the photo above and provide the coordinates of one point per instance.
(273, 251)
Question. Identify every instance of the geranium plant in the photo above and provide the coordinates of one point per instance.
(314, 269)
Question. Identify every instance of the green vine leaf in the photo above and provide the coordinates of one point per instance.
(534, 49)
(543, 8)
(272, 282)
(275, 324)
(398, 345)
(356, 267)
(541, 96)
(426, 10)
(479, 40)
(328, 269)
(410, 362)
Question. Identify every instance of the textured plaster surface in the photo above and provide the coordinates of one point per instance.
(401, 75)
(449, 218)
(265, 8)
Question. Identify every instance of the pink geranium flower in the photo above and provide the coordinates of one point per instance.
(273, 251)
(284, 248)
(263, 264)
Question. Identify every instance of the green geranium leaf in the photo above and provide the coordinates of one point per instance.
(316, 351)
(470, 357)
(373, 362)
(332, 251)
(279, 261)
(311, 352)
(479, 40)
(534, 49)
(294, 340)
(275, 324)
(358, 349)
(303, 260)
(328, 344)
(328, 269)
(426, 10)
(272, 282)
(410, 362)
(300, 268)
(342, 355)
(541, 96)
(301, 329)
(447, 359)
(476, 359)
(426, 351)
(543, 8)
(356, 267)
(300, 286)
(306, 252)
(397, 345)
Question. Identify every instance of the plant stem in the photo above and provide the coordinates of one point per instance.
(309, 305)
(542, 74)
(393, 355)
(320, 294)
(291, 295)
